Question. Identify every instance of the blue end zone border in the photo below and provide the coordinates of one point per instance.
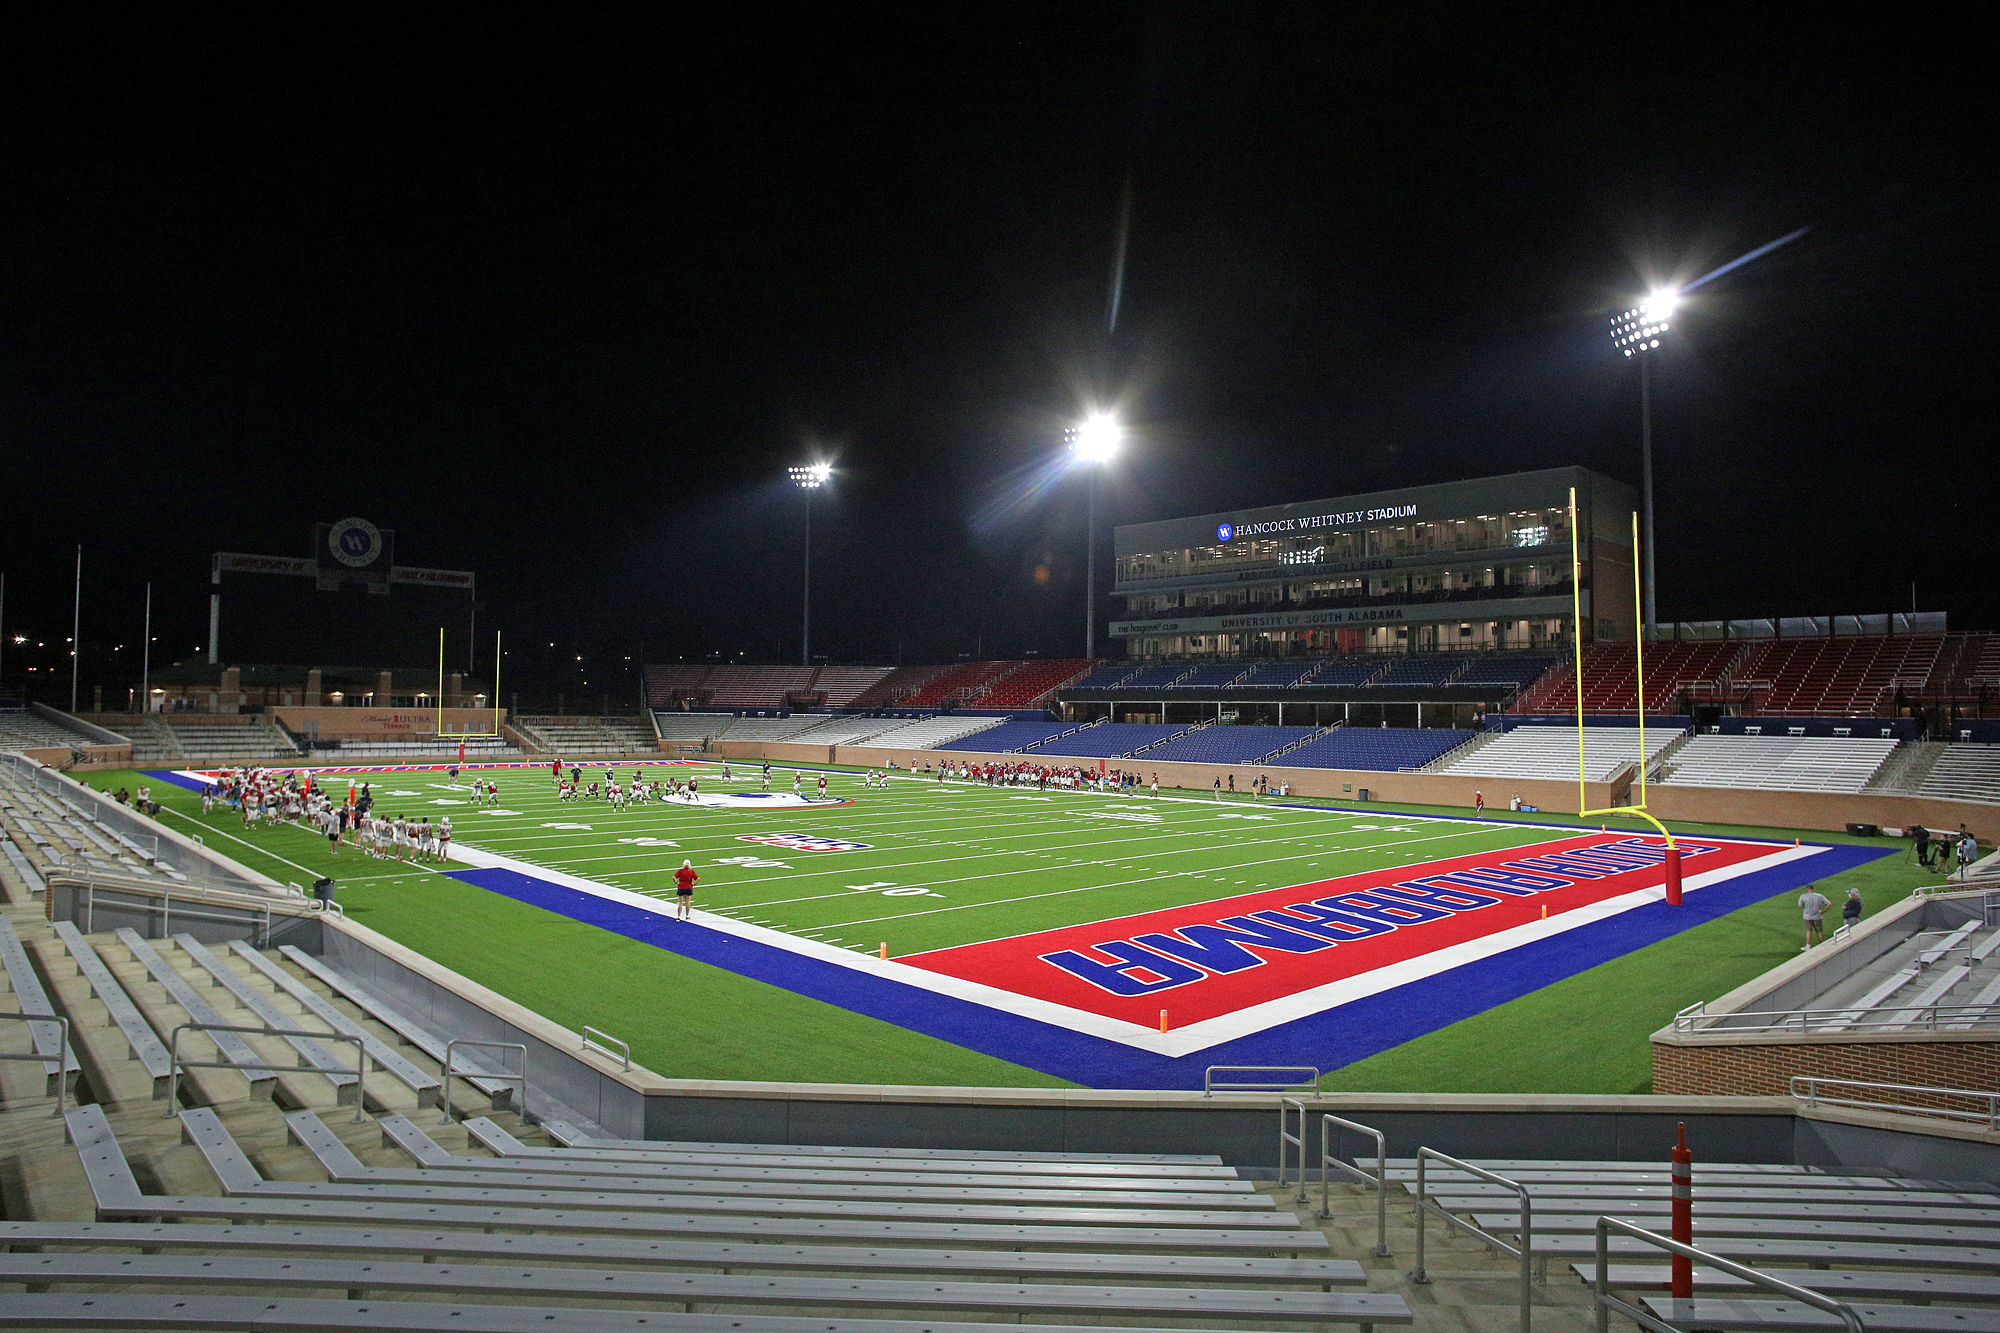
(1331, 1039)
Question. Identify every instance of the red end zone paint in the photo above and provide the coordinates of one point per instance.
(1211, 959)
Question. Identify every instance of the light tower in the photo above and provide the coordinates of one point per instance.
(808, 478)
(1093, 442)
(1638, 333)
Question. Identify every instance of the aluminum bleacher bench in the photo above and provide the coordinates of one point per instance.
(118, 1197)
(143, 1043)
(474, 1071)
(426, 1087)
(1209, 1192)
(1759, 1251)
(570, 1137)
(1505, 1164)
(1722, 1313)
(1638, 1211)
(1561, 1197)
(310, 1051)
(364, 1279)
(1848, 1284)
(1707, 1225)
(27, 872)
(31, 998)
(1441, 1179)
(247, 1312)
(432, 1246)
(229, 1045)
(340, 1163)
(239, 1176)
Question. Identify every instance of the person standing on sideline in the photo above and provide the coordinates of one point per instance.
(1218, 789)
(684, 879)
(1968, 852)
(1479, 805)
(1923, 847)
(1814, 904)
(1850, 911)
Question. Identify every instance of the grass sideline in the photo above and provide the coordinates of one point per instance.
(1586, 1034)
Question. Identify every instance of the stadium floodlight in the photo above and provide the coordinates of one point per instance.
(808, 477)
(1637, 333)
(1094, 442)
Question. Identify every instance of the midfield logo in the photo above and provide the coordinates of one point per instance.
(804, 842)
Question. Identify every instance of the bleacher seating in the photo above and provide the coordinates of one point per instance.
(1031, 685)
(1277, 675)
(1511, 671)
(898, 685)
(1835, 677)
(1964, 772)
(963, 681)
(843, 730)
(1110, 740)
(1347, 671)
(1386, 749)
(775, 728)
(1423, 669)
(842, 685)
(669, 682)
(1108, 676)
(251, 738)
(1213, 676)
(1226, 745)
(1010, 736)
(1157, 677)
(1777, 763)
(1551, 752)
(589, 735)
(931, 732)
(678, 726)
(755, 686)
(24, 731)
(1610, 677)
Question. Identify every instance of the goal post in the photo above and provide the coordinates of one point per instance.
(1638, 810)
(493, 735)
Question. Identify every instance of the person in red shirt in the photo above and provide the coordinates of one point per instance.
(684, 879)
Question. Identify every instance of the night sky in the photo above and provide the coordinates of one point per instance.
(559, 300)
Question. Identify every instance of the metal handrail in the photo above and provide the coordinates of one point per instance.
(1327, 1158)
(1426, 1205)
(1606, 1302)
(624, 1048)
(444, 1095)
(1812, 1097)
(1694, 1019)
(62, 1062)
(175, 1064)
(1209, 1086)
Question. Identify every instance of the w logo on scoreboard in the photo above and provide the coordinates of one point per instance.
(804, 842)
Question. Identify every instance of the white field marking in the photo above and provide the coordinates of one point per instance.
(1195, 1036)
(1150, 876)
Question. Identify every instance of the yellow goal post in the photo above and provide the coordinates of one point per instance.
(494, 735)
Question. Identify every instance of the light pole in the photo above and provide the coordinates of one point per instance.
(1093, 442)
(1637, 333)
(808, 478)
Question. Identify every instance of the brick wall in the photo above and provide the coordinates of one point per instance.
(1766, 1069)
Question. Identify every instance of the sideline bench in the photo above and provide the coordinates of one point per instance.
(142, 1043)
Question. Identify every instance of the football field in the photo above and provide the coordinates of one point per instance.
(955, 932)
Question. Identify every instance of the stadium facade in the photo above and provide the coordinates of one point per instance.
(1470, 565)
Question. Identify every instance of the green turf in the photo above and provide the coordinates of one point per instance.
(960, 864)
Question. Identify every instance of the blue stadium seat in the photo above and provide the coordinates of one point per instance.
(1212, 677)
(1106, 676)
(1008, 736)
(1425, 669)
(1270, 675)
(1385, 748)
(1113, 740)
(1227, 745)
(1155, 677)
(1345, 671)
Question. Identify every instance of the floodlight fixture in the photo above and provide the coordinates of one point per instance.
(808, 477)
(811, 476)
(1096, 438)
